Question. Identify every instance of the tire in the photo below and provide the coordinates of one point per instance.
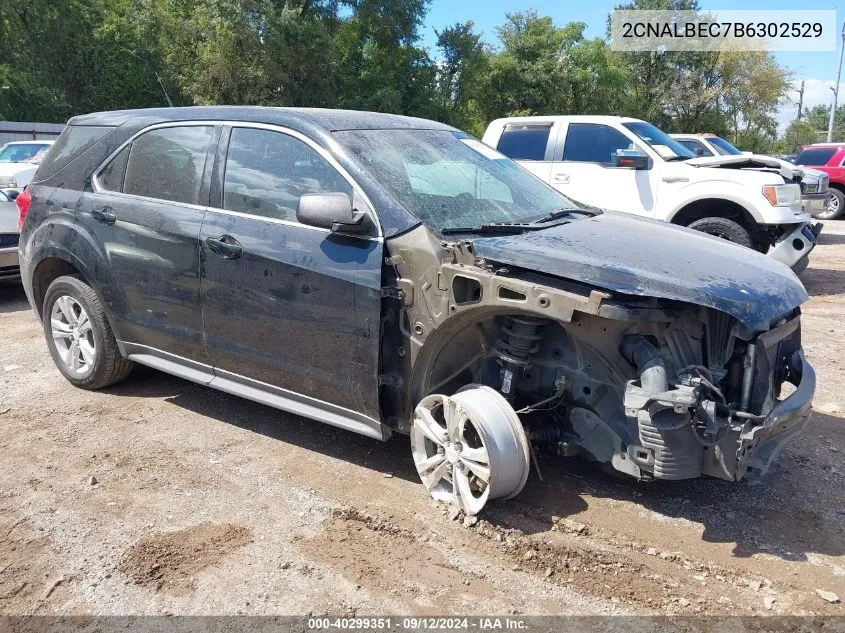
(835, 206)
(79, 336)
(724, 228)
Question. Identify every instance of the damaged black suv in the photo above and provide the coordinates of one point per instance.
(388, 274)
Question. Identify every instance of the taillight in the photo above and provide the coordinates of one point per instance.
(23, 201)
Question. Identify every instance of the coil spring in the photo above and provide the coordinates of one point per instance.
(518, 341)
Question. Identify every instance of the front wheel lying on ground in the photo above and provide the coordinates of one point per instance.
(470, 448)
(79, 336)
(724, 228)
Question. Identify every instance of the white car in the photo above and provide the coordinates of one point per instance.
(9, 234)
(628, 165)
(19, 161)
(814, 183)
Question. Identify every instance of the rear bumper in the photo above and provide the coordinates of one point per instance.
(793, 249)
(9, 263)
(761, 444)
(815, 203)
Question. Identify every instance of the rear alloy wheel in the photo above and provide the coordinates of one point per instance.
(73, 335)
(470, 448)
(835, 206)
(725, 229)
(79, 336)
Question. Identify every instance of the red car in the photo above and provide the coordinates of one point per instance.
(829, 158)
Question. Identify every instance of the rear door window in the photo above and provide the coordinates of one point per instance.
(267, 172)
(168, 163)
(815, 156)
(525, 142)
(111, 178)
(594, 143)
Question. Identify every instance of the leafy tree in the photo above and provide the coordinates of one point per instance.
(463, 64)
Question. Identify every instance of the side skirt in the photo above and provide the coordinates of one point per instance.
(257, 391)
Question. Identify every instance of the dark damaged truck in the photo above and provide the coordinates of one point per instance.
(386, 274)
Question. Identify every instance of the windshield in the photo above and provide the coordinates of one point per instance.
(667, 147)
(723, 147)
(21, 152)
(449, 180)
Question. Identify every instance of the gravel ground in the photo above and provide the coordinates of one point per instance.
(160, 496)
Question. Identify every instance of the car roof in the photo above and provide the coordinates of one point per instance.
(834, 145)
(303, 119)
(39, 142)
(562, 118)
(695, 135)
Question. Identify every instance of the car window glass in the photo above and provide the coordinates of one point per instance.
(524, 142)
(594, 143)
(74, 140)
(815, 156)
(20, 152)
(267, 172)
(448, 179)
(168, 163)
(111, 178)
(452, 178)
(695, 147)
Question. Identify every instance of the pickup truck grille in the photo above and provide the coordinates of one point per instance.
(8, 240)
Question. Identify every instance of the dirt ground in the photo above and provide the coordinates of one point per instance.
(161, 496)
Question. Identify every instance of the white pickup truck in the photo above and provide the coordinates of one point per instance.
(629, 165)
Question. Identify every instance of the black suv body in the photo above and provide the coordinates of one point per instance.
(389, 274)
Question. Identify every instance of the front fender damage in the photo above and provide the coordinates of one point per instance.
(568, 357)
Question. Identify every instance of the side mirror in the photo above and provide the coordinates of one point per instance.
(11, 194)
(331, 211)
(631, 159)
(698, 151)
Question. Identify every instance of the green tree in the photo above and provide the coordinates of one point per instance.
(546, 69)
(464, 60)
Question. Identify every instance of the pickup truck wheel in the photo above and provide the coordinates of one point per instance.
(835, 206)
(724, 228)
(79, 336)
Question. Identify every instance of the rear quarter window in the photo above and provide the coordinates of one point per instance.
(72, 142)
(815, 156)
(524, 142)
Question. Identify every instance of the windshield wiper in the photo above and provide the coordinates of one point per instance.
(514, 228)
(562, 213)
(497, 228)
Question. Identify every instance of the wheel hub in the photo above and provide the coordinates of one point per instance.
(72, 334)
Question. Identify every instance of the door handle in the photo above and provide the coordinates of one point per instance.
(226, 246)
(562, 179)
(105, 216)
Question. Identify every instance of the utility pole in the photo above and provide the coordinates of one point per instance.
(801, 100)
(836, 88)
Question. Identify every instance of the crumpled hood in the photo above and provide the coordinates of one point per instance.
(629, 255)
(748, 161)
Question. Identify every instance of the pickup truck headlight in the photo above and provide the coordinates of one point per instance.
(12, 184)
(782, 195)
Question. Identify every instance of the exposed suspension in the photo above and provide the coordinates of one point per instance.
(517, 343)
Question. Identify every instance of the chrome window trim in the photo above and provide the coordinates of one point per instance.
(323, 152)
(95, 177)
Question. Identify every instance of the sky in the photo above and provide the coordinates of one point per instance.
(817, 69)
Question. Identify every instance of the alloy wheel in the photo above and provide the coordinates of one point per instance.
(469, 448)
(73, 334)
